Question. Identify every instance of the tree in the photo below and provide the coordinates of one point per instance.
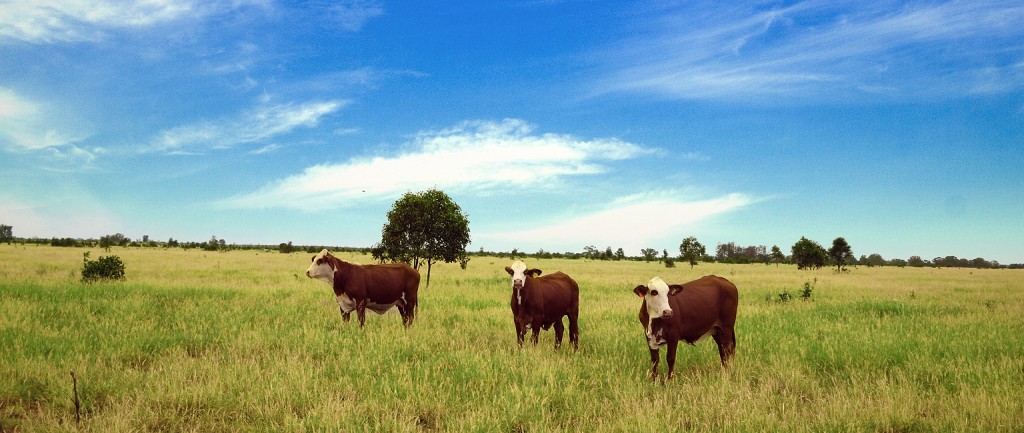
(424, 227)
(6, 233)
(649, 254)
(777, 255)
(808, 254)
(840, 252)
(916, 261)
(620, 254)
(286, 248)
(875, 259)
(691, 250)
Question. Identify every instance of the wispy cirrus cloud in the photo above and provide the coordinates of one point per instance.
(351, 15)
(823, 49)
(480, 156)
(57, 21)
(255, 126)
(633, 223)
(27, 126)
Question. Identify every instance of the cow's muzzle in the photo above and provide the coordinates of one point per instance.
(666, 314)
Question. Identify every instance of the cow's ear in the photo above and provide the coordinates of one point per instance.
(673, 289)
(640, 291)
(509, 270)
(533, 272)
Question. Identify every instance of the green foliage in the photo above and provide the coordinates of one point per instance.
(690, 250)
(808, 254)
(427, 226)
(669, 263)
(105, 268)
(6, 233)
(777, 255)
(841, 253)
(287, 248)
(785, 297)
(805, 293)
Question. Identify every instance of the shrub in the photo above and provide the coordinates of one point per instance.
(805, 293)
(105, 268)
(669, 263)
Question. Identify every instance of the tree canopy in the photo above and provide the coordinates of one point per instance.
(6, 233)
(424, 227)
(841, 253)
(691, 250)
(808, 254)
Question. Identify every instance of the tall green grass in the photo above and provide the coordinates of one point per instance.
(243, 341)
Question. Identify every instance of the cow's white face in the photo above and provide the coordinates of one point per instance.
(655, 296)
(657, 299)
(518, 273)
(321, 268)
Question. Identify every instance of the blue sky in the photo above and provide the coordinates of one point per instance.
(554, 124)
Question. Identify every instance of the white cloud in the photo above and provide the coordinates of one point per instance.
(266, 122)
(480, 156)
(54, 21)
(26, 125)
(631, 223)
(740, 50)
(352, 14)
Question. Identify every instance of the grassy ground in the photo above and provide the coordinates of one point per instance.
(243, 341)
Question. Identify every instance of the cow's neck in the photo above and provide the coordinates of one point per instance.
(342, 272)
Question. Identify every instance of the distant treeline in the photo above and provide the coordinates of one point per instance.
(211, 245)
(724, 253)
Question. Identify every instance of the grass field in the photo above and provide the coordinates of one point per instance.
(243, 341)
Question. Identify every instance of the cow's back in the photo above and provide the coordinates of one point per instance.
(558, 295)
(704, 303)
(390, 281)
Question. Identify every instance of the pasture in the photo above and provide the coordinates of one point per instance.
(243, 341)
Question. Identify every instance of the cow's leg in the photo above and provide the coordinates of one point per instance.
(670, 357)
(345, 316)
(574, 331)
(520, 333)
(410, 307)
(559, 330)
(402, 313)
(361, 312)
(726, 339)
(536, 331)
(654, 364)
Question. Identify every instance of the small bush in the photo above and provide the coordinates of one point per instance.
(105, 268)
(785, 297)
(805, 293)
(669, 263)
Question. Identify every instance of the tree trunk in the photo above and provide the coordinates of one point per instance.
(429, 264)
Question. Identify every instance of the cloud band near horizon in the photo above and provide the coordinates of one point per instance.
(478, 156)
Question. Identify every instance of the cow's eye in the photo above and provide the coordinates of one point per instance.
(654, 293)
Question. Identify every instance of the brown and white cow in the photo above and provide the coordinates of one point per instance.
(375, 287)
(540, 302)
(688, 312)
